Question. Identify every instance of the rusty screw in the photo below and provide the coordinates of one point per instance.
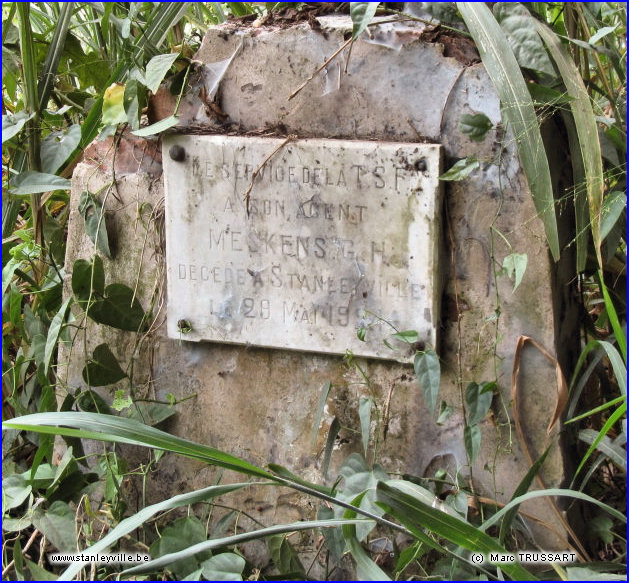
(177, 153)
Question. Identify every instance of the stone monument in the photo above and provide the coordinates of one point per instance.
(297, 224)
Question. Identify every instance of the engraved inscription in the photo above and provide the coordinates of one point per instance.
(336, 235)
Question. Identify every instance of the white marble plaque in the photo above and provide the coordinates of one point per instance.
(302, 246)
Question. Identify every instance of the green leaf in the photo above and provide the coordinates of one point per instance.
(518, 110)
(586, 126)
(54, 332)
(224, 567)
(528, 48)
(364, 412)
(13, 123)
(32, 182)
(88, 279)
(181, 534)
(57, 147)
(323, 397)
(113, 105)
(478, 401)
(418, 515)
(39, 573)
(475, 126)
(157, 68)
(360, 480)
(472, 438)
(57, 525)
(157, 127)
(132, 523)
(93, 214)
(283, 555)
(15, 490)
(461, 170)
(361, 13)
(103, 368)
(428, 373)
(613, 205)
(515, 263)
(119, 309)
(410, 336)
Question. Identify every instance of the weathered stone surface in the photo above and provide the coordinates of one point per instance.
(260, 403)
(300, 245)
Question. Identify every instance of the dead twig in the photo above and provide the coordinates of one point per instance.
(247, 195)
(318, 70)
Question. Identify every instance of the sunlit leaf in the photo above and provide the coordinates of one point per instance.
(113, 105)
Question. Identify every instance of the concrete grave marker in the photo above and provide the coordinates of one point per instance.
(297, 245)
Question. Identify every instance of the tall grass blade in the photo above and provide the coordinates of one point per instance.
(496, 518)
(586, 129)
(55, 51)
(129, 431)
(619, 333)
(418, 515)
(615, 416)
(518, 110)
